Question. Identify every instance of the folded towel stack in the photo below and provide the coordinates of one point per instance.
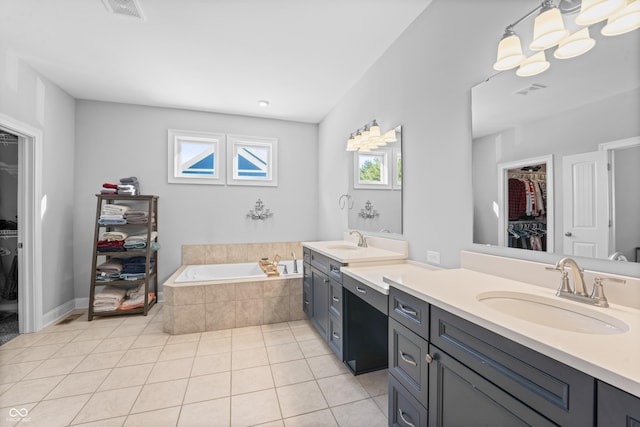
(129, 185)
(110, 245)
(139, 241)
(108, 188)
(109, 270)
(136, 217)
(114, 235)
(136, 302)
(112, 214)
(135, 268)
(109, 299)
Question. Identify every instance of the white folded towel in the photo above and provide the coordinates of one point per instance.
(114, 235)
(115, 209)
(142, 237)
(110, 293)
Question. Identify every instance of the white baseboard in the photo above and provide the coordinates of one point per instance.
(58, 313)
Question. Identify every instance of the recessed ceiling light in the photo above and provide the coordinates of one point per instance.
(263, 103)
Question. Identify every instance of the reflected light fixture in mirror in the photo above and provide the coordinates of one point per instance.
(549, 30)
(369, 138)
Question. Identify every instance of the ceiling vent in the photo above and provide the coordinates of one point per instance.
(129, 8)
(530, 88)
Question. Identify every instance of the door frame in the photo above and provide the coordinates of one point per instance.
(610, 147)
(31, 208)
(503, 193)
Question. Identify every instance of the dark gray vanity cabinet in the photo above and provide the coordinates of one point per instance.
(447, 371)
(325, 297)
(617, 407)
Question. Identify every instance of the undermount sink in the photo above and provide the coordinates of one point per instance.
(345, 247)
(553, 313)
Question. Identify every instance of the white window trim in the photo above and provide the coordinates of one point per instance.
(386, 170)
(237, 141)
(217, 140)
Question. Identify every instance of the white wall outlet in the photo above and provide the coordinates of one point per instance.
(433, 257)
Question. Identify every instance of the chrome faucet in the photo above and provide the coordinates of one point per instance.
(362, 241)
(295, 262)
(579, 293)
(577, 276)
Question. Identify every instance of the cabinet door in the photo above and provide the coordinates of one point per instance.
(460, 397)
(409, 360)
(617, 408)
(320, 301)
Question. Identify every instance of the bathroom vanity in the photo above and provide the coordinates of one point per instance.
(349, 314)
(457, 358)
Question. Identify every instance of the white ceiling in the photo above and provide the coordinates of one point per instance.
(211, 55)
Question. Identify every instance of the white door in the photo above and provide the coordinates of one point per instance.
(586, 204)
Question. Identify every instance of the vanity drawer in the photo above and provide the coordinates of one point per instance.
(374, 298)
(306, 255)
(404, 409)
(408, 360)
(335, 335)
(562, 393)
(412, 312)
(326, 265)
(335, 298)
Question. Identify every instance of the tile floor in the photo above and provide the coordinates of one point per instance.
(124, 371)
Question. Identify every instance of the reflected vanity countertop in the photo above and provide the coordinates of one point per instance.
(348, 252)
(610, 358)
(372, 275)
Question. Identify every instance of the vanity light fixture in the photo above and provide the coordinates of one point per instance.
(549, 31)
(624, 19)
(369, 137)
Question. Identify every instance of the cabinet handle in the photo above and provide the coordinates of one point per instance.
(325, 280)
(336, 336)
(408, 359)
(407, 310)
(362, 291)
(428, 358)
(335, 270)
(306, 302)
(407, 422)
(336, 299)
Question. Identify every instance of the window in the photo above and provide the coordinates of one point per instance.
(253, 160)
(195, 157)
(372, 169)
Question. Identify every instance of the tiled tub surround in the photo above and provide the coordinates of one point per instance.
(214, 305)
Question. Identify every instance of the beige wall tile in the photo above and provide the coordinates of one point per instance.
(193, 254)
(276, 310)
(167, 319)
(249, 290)
(188, 319)
(275, 288)
(256, 251)
(167, 295)
(188, 295)
(295, 286)
(220, 315)
(220, 292)
(215, 254)
(294, 247)
(249, 312)
(295, 308)
(279, 248)
(236, 253)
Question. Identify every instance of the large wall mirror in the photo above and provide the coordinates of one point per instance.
(375, 188)
(575, 130)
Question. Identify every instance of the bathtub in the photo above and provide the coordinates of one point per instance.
(247, 270)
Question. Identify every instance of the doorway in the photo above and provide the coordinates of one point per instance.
(8, 237)
(29, 212)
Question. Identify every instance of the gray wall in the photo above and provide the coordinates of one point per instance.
(118, 140)
(30, 98)
(423, 82)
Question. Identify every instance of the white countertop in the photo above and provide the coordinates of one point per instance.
(347, 252)
(614, 359)
(372, 275)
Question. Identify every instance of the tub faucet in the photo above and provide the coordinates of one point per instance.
(362, 241)
(295, 262)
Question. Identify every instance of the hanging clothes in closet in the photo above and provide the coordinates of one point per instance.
(527, 208)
